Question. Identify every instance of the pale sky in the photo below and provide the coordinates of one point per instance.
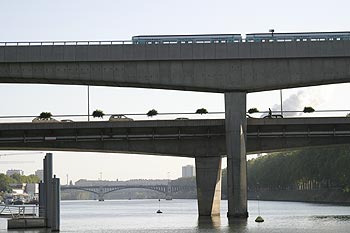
(42, 20)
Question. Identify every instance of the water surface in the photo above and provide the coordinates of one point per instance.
(181, 216)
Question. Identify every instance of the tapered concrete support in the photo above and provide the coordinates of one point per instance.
(236, 128)
(208, 177)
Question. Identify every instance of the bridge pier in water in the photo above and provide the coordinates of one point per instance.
(101, 196)
(236, 138)
(50, 197)
(208, 178)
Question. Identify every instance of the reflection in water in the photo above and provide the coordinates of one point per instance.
(237, 225)
(333, 217)
(209, 222)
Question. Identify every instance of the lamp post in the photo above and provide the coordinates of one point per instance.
(272, 31)
(88, 95)
(281, 102)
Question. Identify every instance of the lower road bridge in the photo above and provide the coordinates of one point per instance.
(205, 140)
(101, 191)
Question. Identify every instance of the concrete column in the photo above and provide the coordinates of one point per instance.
(236, 128)
(208, 177)
(101, 197)
(55, 226)
(168, 192)
(42, 199)
(48, 188)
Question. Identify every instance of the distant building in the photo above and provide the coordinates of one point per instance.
(14, 171)
(40, 174)
(188, 171)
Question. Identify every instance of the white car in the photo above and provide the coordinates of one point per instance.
(44, 120)
(120, 117)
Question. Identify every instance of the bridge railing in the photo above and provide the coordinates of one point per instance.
(250, 38)
(177, 116)
(19, 211)
(65, 43)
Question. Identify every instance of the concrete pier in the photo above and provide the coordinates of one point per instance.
(101, 196)
(208, 177)
(236, 128)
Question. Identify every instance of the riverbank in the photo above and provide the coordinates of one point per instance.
(335, 196)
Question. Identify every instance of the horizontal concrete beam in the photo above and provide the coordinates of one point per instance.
(188, 138)
(246, 67)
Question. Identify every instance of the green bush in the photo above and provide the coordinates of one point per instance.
(98, 113)
(308, 109)
(253, 110)
(152, 113)
(45, 115)
(202, 111)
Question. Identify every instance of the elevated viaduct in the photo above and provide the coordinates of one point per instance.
(230, 68)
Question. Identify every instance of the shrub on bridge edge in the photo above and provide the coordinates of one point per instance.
(45, 115)
(152, 113)
(98, 113)
(308, 109)
(202, 111)
(253, 110)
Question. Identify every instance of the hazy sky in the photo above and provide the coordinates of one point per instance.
(42, 20)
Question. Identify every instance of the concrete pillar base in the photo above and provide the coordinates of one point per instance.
(208, 177)
(239, 215)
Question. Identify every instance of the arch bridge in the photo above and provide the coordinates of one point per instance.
(101, 191)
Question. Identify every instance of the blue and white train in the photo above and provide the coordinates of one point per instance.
(233, 38)
(182, 39)
(304, 36)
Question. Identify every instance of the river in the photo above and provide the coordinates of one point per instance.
(181, 216)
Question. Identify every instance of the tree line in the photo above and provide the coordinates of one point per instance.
(6, 180)
(312, 168)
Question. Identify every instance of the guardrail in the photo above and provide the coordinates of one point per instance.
(65, 43)
(175, 115)
(150, 42)
(19, 211)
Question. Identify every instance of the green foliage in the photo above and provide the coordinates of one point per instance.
(5, 181)
(45, 115)
(323, 167)
(98, 113)
(202, 111)
(152, 113)
(253, 110)
(185, 181)
(308, 109)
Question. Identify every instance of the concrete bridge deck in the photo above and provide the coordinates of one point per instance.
(221, 67)
(189, 138)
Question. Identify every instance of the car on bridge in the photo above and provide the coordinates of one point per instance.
(44, 120)
(119, 117)
(273, 116)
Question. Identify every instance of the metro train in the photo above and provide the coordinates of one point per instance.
(233, 38)
(176, 39)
